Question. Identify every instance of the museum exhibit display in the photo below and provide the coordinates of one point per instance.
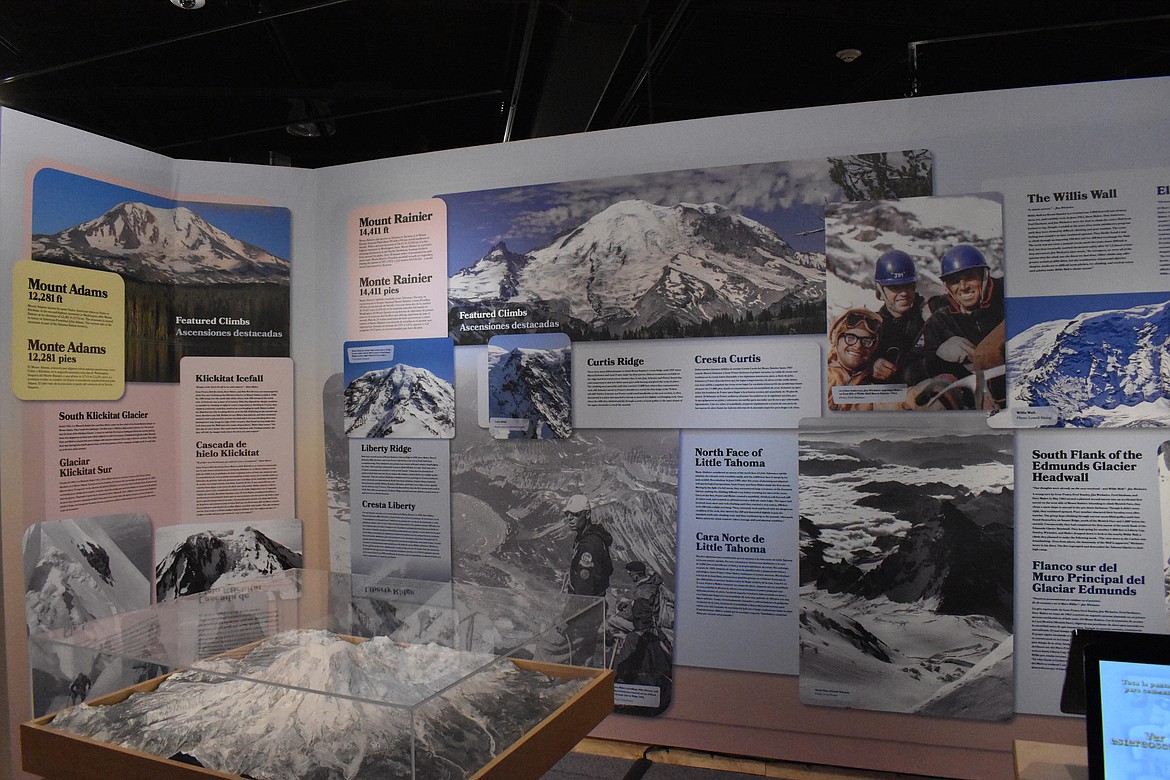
(312, 674)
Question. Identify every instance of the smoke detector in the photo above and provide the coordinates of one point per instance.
(845, 55)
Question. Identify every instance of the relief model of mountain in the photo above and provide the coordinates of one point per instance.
(155, 244)
(532, 384)
(401, 401)
(1102, 368)
(636, 265)
(206, 559)
(75, 574)
(287, 729)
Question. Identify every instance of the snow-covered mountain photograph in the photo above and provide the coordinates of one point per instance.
(193, 558)
(721, 251)
(76, 571)
(1096, 360)
(184, 264)
(906, 572)
(858, 233)
(530, 386)
(405, 390)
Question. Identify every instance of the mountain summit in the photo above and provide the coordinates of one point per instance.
(403, 401)
(636, 264)
(156, 244)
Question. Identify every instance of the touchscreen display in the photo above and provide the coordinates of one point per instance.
(1133, 736)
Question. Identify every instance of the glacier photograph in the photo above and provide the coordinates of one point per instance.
(183, 264)
(732, 251)
(530, 386)
(906, 572)
(76, 571)
(1095, 360)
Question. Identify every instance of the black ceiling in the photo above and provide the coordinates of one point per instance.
(381, 78)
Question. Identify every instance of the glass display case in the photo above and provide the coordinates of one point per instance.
(316, 675)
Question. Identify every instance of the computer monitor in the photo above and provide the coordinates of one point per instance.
(1127, 717)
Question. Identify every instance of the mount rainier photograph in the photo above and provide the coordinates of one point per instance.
(906, 572)
(184, 265)
(1095, 360)
(728, 251)
(530, 387)
(400, 389)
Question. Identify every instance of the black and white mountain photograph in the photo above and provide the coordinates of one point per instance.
(1095, 360)
(183, 264)
(194, 558)
(530, 386)
(906, 571)
(404, 391)
(76, 571)
(730, 251)
(510, 501)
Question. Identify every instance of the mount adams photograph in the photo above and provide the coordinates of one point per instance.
(202, 279)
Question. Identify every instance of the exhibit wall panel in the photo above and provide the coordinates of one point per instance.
(973, 139)
(30, 144)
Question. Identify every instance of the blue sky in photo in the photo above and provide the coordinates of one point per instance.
(787, 197)
(544, 341)
(1023, 313)
(63, 200)
(435, 355)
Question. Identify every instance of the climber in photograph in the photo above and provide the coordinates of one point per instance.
(591, 565)
(895, 278)
(964, 336)
(853, 343)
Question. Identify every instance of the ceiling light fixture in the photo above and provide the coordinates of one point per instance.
(189, 5)
(848, 55)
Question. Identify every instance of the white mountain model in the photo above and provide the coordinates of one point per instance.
(283, 727)
(1106, 368)
(636, 263)
(158, 244)
(401, 401)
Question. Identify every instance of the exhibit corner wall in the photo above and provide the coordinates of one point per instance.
(973, 139)
(27, 145)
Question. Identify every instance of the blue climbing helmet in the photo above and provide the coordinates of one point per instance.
(960, 258)
(895, 267)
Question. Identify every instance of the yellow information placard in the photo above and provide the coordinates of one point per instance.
(68, 333)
